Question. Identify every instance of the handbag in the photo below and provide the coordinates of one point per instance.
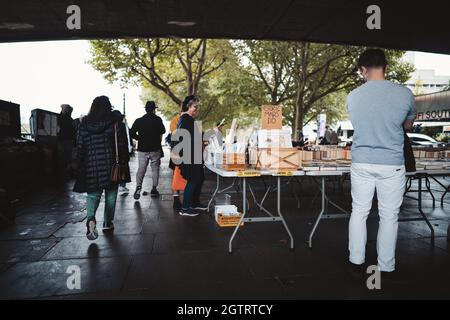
(119, 172)
(178, 182)
(410, 160)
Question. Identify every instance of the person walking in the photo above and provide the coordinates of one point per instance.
(123, 190)
(192, 167)
(101, 143)
(379, 111)
(178, 182)
(66, 141)
(327, 136)
(148, 131)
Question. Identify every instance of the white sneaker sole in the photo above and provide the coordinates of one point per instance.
(93, 233)
(202, 209)
(187, 214)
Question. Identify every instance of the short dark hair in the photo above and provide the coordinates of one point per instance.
(372, 58)
(187, 102)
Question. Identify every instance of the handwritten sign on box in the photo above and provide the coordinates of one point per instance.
(271, 117)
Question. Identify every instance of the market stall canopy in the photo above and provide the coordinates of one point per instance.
(400, 24)
(433, 106)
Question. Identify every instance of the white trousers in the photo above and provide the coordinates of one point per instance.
(389, 182)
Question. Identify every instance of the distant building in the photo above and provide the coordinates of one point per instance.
(424, 81)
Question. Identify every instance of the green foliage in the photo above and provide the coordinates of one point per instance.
(431, 131)
(234, 78)
(443, 137)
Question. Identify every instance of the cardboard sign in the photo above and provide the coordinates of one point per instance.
(271, 117)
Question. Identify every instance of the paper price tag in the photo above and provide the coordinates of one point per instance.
(284, 173)
(246, 174)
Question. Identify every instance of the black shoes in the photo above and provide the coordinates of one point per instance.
(176, 203)
(357, 271)
(154, 193)
(91, 229)
(137, 193)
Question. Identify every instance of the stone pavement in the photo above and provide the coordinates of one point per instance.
(157, 254)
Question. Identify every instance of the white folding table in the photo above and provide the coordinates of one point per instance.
(244, 175)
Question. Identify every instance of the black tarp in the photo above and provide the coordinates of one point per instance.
(411, 25)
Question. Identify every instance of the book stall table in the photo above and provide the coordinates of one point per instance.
(249, 174)
(425, 175)
(419, 175)
(325, 201)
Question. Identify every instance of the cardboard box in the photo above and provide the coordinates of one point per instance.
(271, 117)
(276, 158)
(229, 221)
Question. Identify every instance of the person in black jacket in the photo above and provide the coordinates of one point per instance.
(66, 140)
(148, 131)
(95, 156)
(192, 166)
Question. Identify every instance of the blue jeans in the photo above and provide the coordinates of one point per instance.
(191, 195)
(93, 200)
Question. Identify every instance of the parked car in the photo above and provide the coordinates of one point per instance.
(418, 139)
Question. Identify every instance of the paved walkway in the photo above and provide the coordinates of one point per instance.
(157, 254)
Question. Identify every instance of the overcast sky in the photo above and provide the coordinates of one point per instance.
(46, 74)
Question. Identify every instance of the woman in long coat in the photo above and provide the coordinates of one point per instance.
(95, 157)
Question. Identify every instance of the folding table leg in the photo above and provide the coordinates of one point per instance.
(279, 211)
(244, 211)
(423, 214)
(320, 214)
(215, 191)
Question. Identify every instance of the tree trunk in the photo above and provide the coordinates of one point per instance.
(299, 118)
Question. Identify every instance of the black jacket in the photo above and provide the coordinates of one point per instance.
(67, 130)
(95, 154)
(147, 130)
(191, 170)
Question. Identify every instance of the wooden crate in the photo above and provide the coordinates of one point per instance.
(276, 158)
(233, 161)
(229, 221)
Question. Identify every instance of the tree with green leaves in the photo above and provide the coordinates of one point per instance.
(234, 78)
(308, 77)
(170, 69)
(168, 65)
